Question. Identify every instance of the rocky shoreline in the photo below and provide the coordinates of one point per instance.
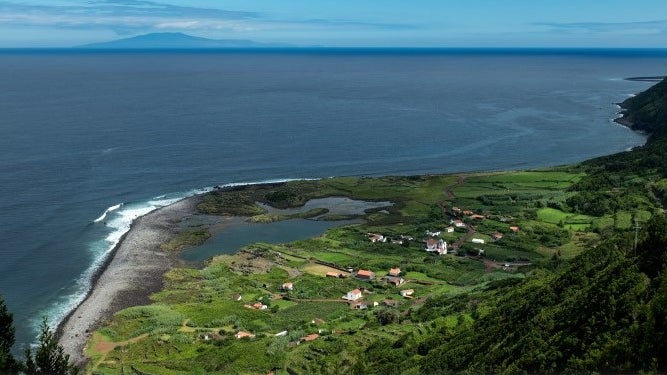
(132, 273)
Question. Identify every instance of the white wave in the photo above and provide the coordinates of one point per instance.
(119, 221)
(106, 212)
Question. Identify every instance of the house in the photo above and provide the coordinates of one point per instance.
(353, 295)
(397, 242)
(243, 335)
(438, 246)
(477, 217)
(310, 337)
(237, 297)
(514, 229)
(467, 212)
(408, 238)
(374, 237)
(477, 240)
(394, 272)
(432, 234)
(288, 286)
(497, 236)
(458, 223)
(260, 306)
(334, 274)
(450, 230)
(365, 275)
(397, 281)
(407, 293)
(281, 334)
(456, 209)
(361, 305)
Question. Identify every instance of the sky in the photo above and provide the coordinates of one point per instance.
(344, 23)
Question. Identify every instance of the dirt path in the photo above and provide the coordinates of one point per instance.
(449, 189)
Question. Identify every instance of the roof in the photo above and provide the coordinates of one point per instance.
(334, 274)
(356, 291)
(287, 285)
(394, 271)
(407, 291)
(365, 273)
(310, 337)
(242, 334)
(431, 242)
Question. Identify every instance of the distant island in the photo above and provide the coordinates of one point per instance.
(176, 41)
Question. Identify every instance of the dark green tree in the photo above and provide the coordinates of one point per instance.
(7, 363)
(49, 357)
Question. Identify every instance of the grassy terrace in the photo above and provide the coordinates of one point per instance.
(190, 327)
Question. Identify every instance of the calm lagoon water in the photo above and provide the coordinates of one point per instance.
(83, 132)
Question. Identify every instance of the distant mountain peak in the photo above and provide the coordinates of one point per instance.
(169, 40)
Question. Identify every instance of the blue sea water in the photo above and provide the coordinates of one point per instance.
(86, 134)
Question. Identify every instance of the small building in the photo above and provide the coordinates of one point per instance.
(374, 237)
(477, 217)
(311, 337)
(450, 230)
(437, 246)
(361, 305)
(458, 223)
(353, 295)
(334, 274)
(497, 236)
(456, 209)
(237, 297)
(397, 281)
(288, 286)
(365, 275)
(243, 335)
(514, 229)
(260, 306)
(397, 242)
(477, 240)
(467, 212)
(433, 233)
(394, 272)
(281, 334)
(407, 238)
(407, 293)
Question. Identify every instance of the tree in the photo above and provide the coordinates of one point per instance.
(7, 363)
(49, 358)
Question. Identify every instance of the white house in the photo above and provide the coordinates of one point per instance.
(407, 293)
(432, 234)
(450, 229)
(477, 240)
(437, 246)
(353, 295)
(458, 223)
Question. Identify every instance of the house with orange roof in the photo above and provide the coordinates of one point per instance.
(311, 337)
(514, 229)
(243, 335)
(365, 275)
(288, 286)
(394, 271)
(334, 274)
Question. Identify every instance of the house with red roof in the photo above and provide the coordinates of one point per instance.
(365, 275)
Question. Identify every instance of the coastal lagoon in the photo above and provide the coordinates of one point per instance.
(92, 140)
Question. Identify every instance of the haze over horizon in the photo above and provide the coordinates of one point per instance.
(345, 23)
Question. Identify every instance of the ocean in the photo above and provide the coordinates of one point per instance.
(92, 139)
